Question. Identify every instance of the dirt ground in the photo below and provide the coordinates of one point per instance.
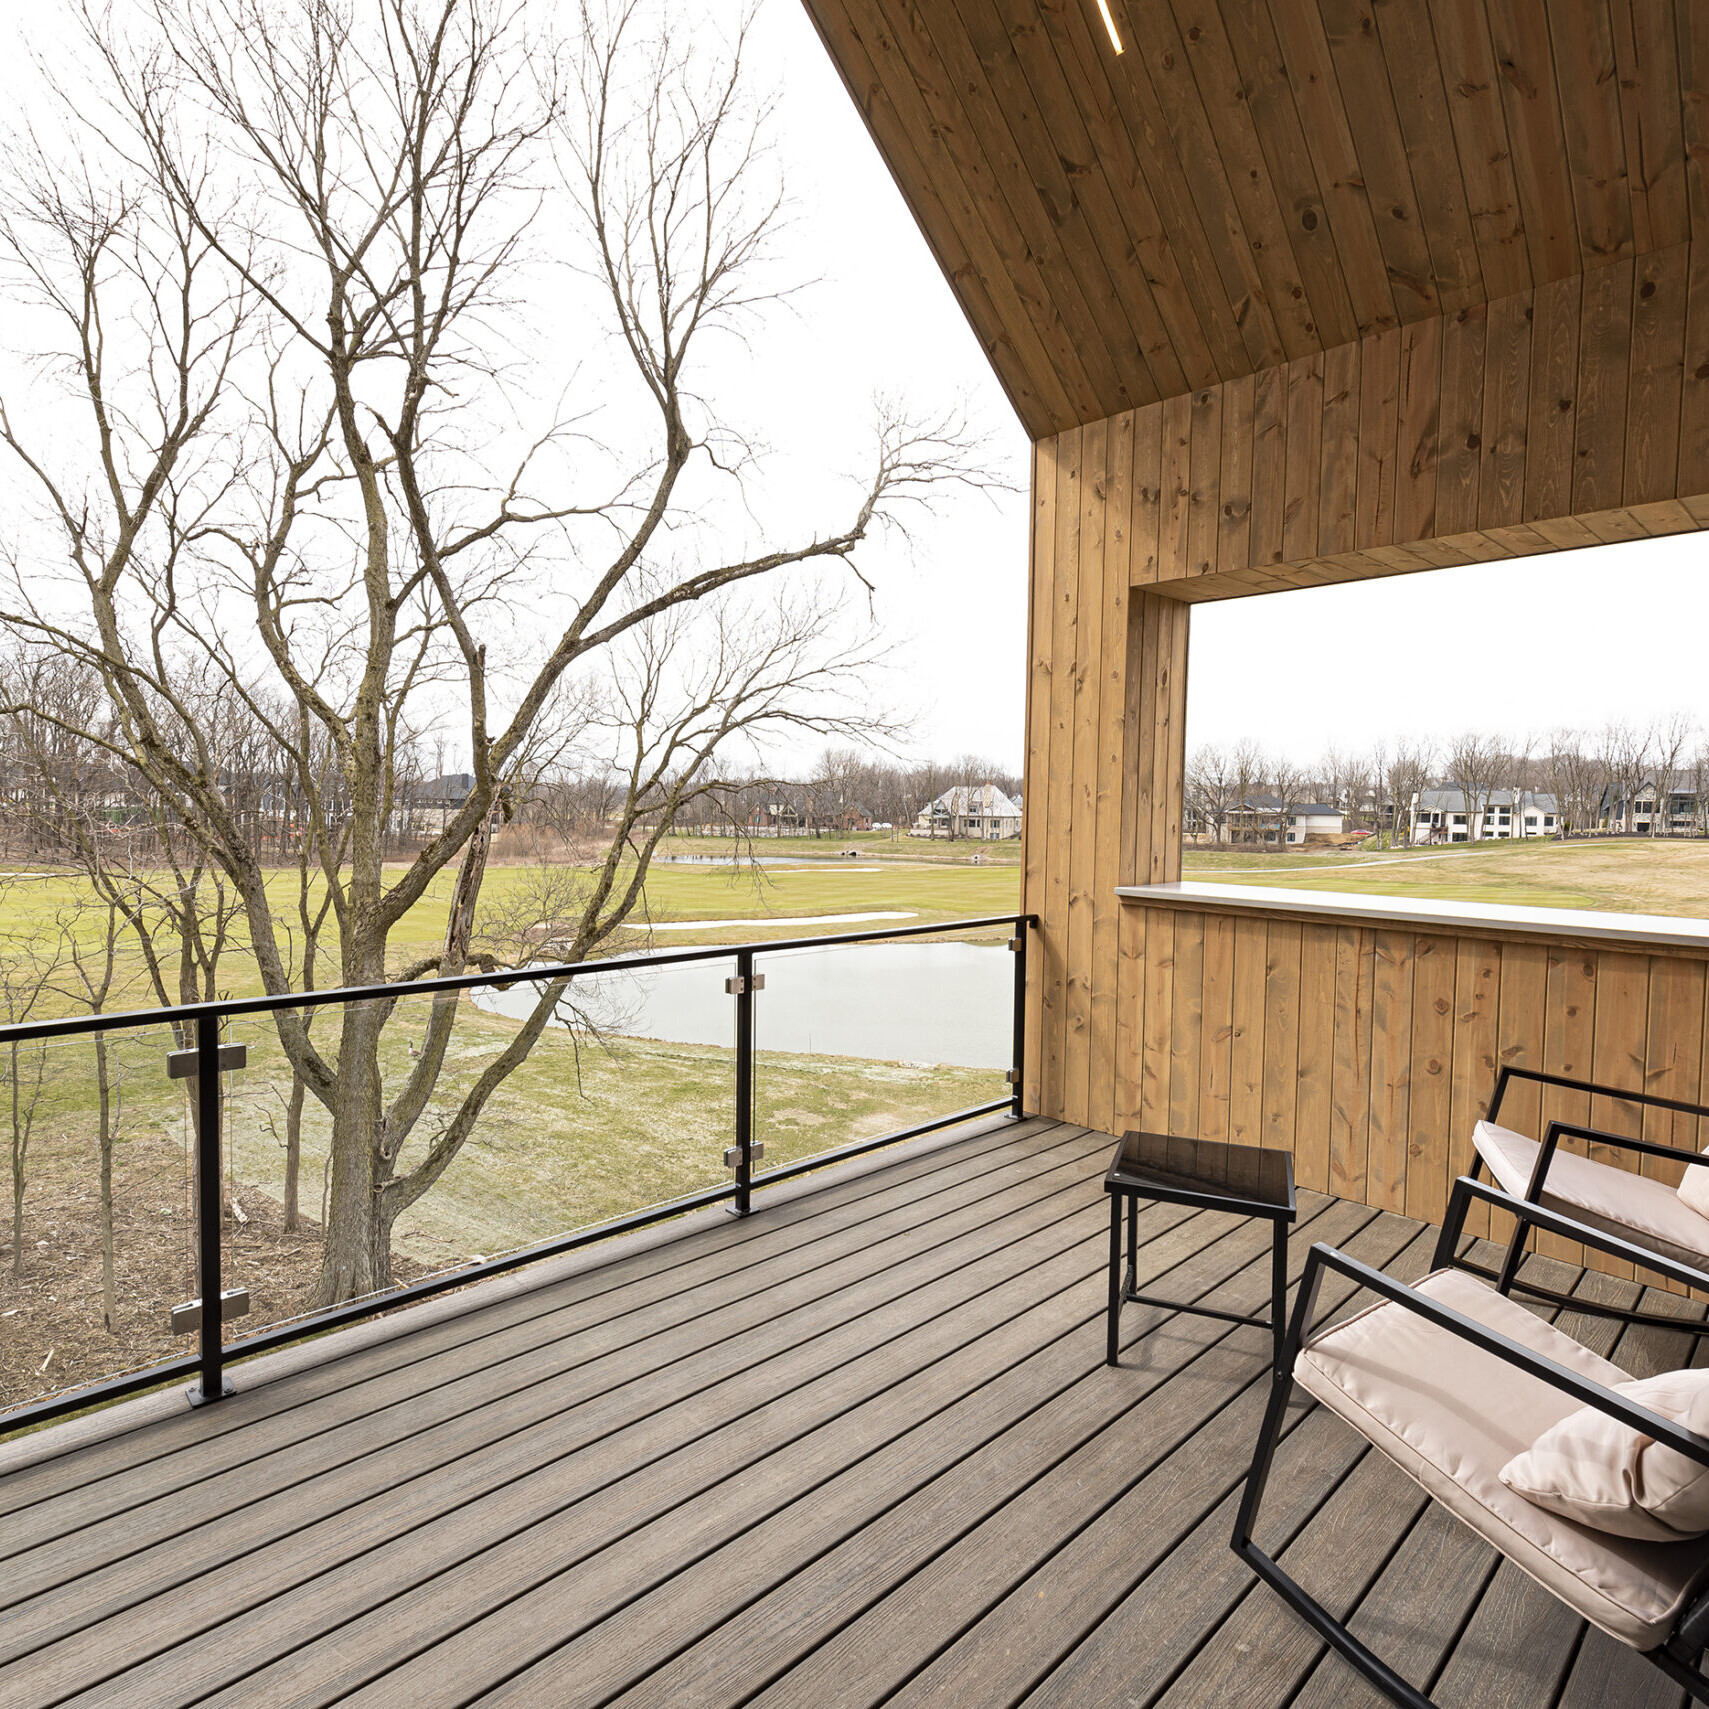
(52, 1335)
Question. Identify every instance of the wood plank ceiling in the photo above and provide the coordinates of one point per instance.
(1252, 181)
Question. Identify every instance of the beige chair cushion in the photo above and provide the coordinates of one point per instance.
(1451, 1416)
(1591, 1468)
(1648, 1213)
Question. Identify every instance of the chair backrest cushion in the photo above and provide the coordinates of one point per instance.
(1591, 1469)
(1694, 1188)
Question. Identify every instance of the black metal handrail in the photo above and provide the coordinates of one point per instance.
(206, 1019)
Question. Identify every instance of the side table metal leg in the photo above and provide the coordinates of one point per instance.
(1279, 1288)
(1131, 1281)
(1115, 1317)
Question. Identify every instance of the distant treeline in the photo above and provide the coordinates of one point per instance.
(1601, 780)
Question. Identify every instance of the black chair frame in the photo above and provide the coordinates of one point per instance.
(1680, 1656)
(1506, 1278)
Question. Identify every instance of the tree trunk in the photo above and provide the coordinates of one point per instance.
(294, 1153)
(355, 1259)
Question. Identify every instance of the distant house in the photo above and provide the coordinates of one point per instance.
(781, 818)
(1639, 818)
(981, 814)
(1443, 816)
(426, 808)
(1267, 819)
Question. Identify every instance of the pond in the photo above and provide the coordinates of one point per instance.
(938, 1003)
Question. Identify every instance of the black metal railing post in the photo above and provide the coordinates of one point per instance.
(209, 1206)
(744, 985)
(1018, 945)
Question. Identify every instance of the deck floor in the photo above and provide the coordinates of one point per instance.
(860, 1448)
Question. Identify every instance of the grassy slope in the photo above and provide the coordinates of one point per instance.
(1630, 876)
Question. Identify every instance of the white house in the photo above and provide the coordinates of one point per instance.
(1680, 819)
(1442, 816)
(1268, 819)
(982, 815)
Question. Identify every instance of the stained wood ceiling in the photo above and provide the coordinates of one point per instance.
(1251, 181)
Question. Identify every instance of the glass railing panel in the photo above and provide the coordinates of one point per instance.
(622, 1100)
(855, 1041)
(98, 1242)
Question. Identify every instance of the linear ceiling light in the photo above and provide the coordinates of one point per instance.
(1109, 24)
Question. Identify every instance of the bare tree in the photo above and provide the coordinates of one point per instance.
(93, 974)
(26, 980)
(1289, 783)
(287, 269)
(1405, 773)
(1672, 737)
(1575, 779)
(1248, 769)
(1623, 756)
(1210, 787)
(1475, 761)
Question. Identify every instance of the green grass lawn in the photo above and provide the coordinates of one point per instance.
(1643, 876)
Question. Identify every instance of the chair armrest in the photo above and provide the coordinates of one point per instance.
(1558, 1222)
(1463, 1328)
(1557, 1131)
(1624, 1142)
(1543, 1077)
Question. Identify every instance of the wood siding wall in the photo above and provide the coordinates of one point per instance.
(1371, 1052)
(1106, 708)
(1544, 410)
(1569, 415)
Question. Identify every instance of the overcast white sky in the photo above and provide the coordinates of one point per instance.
(1569, 639)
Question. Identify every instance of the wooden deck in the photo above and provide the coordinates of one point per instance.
(860, 1448)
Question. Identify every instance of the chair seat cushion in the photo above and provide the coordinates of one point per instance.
(1451, 1416)
(1634, 1207)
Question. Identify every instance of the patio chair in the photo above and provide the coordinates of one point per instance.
(1635, 1208)
(1451, 1380)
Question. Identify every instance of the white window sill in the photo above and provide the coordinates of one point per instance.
(1467, 919)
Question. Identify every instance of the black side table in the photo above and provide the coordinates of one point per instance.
(1210, 1175)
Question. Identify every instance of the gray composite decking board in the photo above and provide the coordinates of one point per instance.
(422, 1432)
(1607, 1674)
(426, 1361)
(1114, 1482)
(629, 1283)
(1411, 1615)
(544, 1405)
(885, 1476)
(773, 1632)
(699, 1463)
(1264, 1649)
(1124, 1616)
(617, 1486)
(858, 1448)
(1034, 1449)
(1059, 1212)
(1515, 1650)
(673, 1449)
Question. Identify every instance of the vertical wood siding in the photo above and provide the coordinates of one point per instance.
(1563, 416)
(1370, 1052)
